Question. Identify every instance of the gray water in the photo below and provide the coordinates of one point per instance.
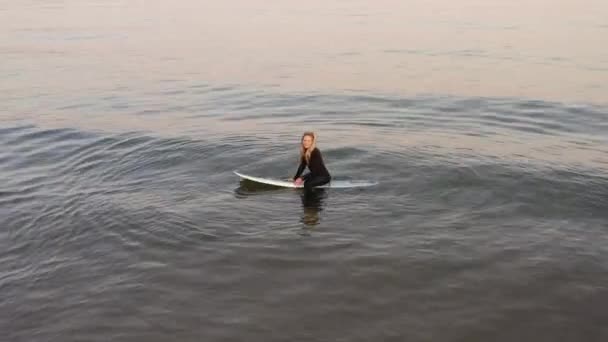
(121, 218)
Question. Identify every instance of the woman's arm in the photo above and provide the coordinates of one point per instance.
(300, 169)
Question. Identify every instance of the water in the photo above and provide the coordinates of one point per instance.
(120, 217)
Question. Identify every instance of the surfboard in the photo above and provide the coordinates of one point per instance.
(288, 184)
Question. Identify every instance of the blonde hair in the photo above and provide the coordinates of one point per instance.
(305, 153)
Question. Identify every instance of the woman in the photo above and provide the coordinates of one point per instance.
(311, 156)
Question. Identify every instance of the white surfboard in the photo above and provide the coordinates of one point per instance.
(289, 184)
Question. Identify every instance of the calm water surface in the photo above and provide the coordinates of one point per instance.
(484, 123)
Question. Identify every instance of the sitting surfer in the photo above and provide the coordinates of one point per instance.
(310, 156)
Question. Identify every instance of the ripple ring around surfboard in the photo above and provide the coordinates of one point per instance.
(344, 184)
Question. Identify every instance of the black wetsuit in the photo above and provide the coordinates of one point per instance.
(318, 172)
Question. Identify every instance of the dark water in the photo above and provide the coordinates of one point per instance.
(489, 222)
(121, 124)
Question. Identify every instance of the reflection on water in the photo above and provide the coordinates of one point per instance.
(312, 204)
(313, 201)
(247, 188)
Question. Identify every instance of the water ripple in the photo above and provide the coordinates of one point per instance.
(473, 194)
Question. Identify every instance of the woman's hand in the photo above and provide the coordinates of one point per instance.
(298, 181)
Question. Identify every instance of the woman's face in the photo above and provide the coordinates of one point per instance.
(307, 141)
